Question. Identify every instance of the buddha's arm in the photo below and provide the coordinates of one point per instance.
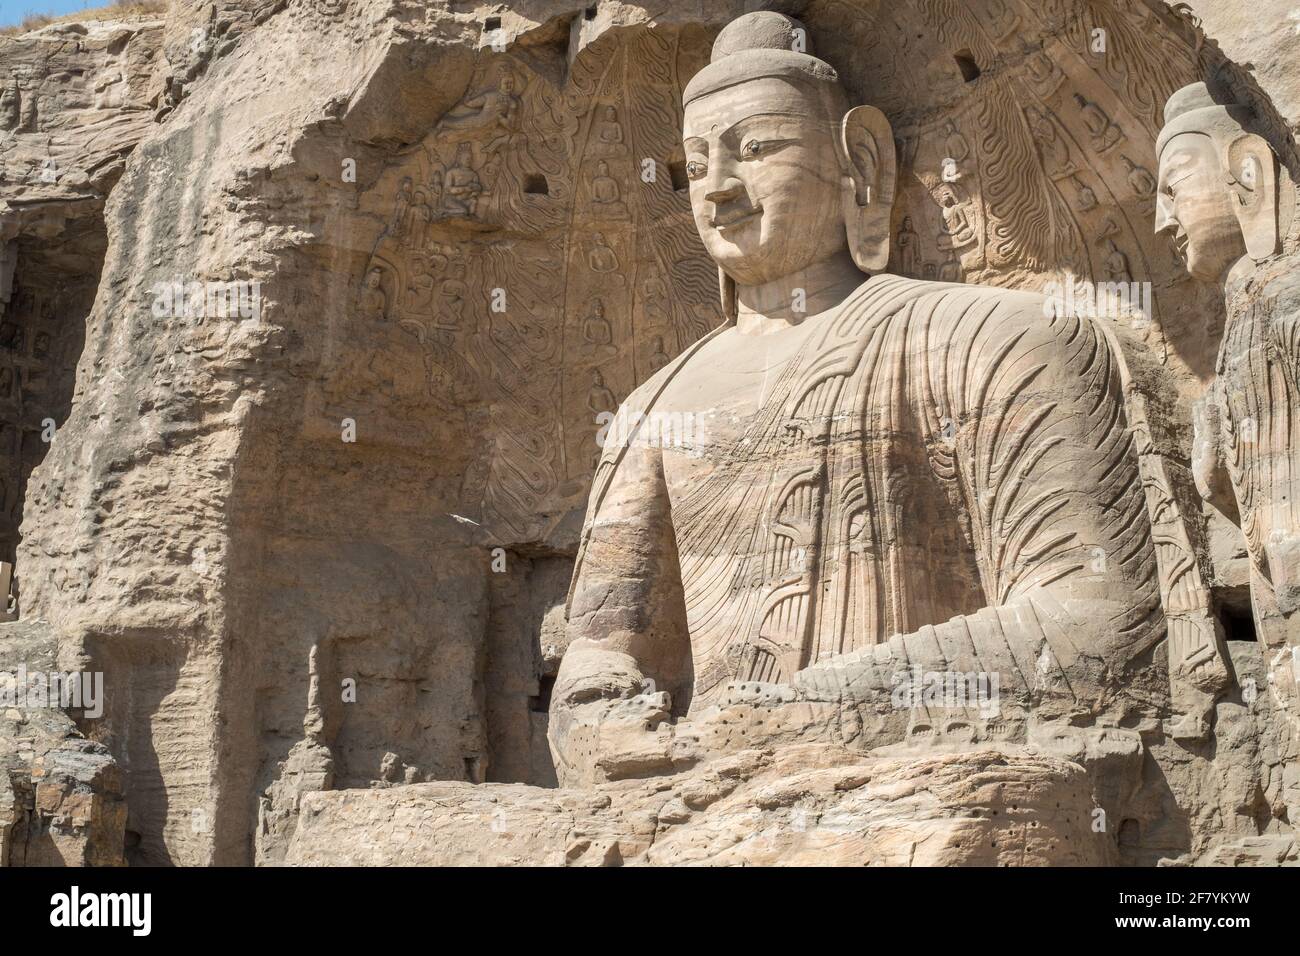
(1057, 515)
(628, 660)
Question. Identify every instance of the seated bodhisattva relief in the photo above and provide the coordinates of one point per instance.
(886, 476)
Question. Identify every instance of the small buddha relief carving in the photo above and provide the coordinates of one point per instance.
(609, 131)
(605, 194)
(597, 333)
(461, 184)
(374, 302)
(908, 252)
(1104, 131)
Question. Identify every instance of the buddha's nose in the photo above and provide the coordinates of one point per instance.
(1164, 213)
(724, 191)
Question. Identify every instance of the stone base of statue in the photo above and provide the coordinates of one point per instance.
(809, 805)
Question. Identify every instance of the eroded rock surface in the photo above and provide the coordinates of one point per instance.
(801, 807)
(61, 801)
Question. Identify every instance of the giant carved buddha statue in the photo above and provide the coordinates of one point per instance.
(885, 477)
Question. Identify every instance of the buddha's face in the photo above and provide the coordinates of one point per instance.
(764, 179)
(1194, 206)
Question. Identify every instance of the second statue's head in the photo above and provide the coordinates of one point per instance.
(783, 174)
(1223, 195)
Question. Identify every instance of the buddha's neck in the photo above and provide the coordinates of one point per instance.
(781, 303)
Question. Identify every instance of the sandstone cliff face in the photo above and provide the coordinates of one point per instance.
(74, 104)
(320, 550)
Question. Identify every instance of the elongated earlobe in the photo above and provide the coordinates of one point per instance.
(1253, 178)
(867, 152)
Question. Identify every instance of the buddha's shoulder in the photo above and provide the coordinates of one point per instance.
(961, 311)
(645, 395)
(951, 297)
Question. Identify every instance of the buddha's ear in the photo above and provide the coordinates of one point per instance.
(870, 172)
(1253, 181)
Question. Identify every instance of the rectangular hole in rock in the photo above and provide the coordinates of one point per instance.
(535, 184)
(677, 170)
(1238, 625)
(1233, 608)
(541, 704)
(970, 70)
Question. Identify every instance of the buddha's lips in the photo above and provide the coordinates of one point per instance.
(733, 217)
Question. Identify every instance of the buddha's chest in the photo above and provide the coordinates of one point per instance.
(722, 415)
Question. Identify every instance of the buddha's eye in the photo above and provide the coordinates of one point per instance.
(695, 169)
(752, 148)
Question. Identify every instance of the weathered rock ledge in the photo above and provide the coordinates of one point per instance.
(800, 807)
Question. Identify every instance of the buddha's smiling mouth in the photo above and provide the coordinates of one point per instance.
(734, 217)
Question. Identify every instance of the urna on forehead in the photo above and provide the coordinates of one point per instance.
(768, 46)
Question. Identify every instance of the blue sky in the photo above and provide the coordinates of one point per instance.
(12, 11)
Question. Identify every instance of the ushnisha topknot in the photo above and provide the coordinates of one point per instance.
(1193, 110)
(765, 44)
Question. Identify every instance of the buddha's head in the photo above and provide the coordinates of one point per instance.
(782, 173)
(1219, 185)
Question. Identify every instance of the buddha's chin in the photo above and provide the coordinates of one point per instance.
(741, 263)
(746, 257)
(744, 240)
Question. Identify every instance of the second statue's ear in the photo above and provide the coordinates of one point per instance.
(1253, 174)
(870, 172)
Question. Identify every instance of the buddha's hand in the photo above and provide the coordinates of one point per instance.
(607, 720)
(1208, 469)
